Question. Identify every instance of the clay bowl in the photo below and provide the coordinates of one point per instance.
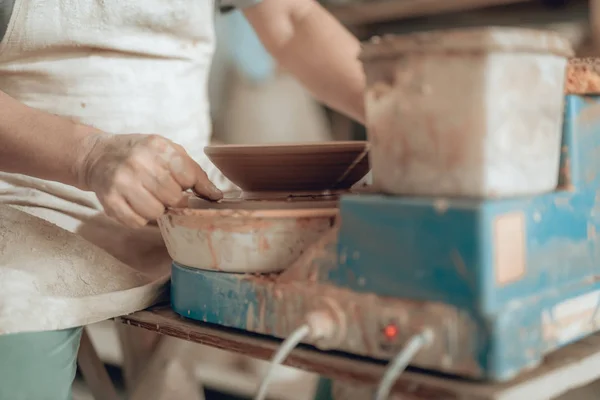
(234, 236)
(305, 167)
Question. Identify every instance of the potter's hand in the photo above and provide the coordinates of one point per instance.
(136, 176)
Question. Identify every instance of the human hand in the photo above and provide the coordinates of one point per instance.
(137, 176)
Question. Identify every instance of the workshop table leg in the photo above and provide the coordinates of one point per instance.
(137, 345)
(167, 375)
(93, 370)
(156, 366)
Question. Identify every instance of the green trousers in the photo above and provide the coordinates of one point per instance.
(323, 390)
(38, 366)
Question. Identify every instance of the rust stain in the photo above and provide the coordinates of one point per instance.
(263, 278)
(263, 244)
(213, 253)
(565, 171)
(591, 231)
(457, 149)
(589, 115)
(307, 223)
(223, 224)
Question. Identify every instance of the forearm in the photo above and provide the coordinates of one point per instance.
(39, 144)
(308, 42)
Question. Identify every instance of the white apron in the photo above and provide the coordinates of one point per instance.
(123, 66)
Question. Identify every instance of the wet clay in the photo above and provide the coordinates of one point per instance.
(244, 239)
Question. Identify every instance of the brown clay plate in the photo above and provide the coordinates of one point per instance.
(292, 167)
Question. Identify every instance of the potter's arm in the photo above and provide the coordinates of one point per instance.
(134, 176)
(311, 44)
(39, 144)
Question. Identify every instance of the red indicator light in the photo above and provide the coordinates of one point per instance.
(390, 331)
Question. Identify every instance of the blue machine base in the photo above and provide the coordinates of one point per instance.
(495, 347)
(500, 282)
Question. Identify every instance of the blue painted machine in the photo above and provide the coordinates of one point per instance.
(500, 283)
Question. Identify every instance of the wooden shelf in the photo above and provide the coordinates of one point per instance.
(571, 367)
(213, 375)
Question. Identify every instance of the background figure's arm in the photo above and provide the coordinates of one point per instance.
(311, 44)
(42, 145)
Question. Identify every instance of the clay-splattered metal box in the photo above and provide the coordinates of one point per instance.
(500, 282)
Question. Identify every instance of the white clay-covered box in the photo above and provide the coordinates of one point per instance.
(472, 112)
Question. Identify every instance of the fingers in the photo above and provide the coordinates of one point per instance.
(189, 175)
(164, 187)
(116, 207)
(143, 203)
(203, 187)
(138, 176)
(154, 173)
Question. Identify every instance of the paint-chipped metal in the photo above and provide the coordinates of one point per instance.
(400, 260)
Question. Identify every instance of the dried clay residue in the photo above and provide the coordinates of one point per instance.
(263, 278)
(224, 223)
(263, 244)
(583, 76)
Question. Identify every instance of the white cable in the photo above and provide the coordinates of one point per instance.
(400, 362)
(285, 349)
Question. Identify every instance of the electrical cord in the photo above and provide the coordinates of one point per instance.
(400, 363)
(285, 349)
(319, 325)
